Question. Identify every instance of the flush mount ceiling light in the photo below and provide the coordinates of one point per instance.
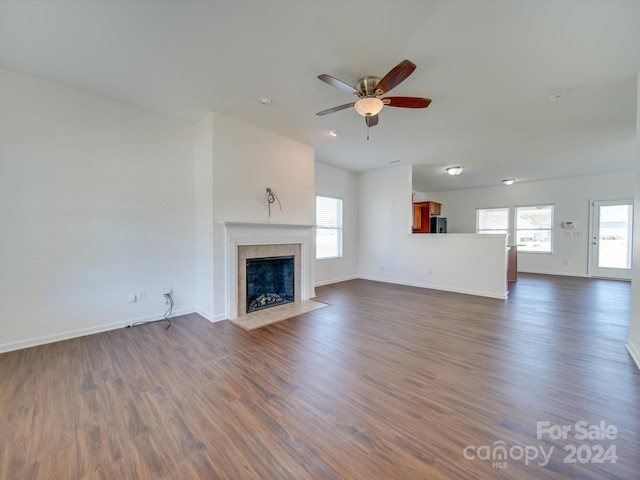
(454, 170)
(334, 133)
(368, 106)
(508, 181)
(265, 101)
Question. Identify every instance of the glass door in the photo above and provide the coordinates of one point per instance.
(611, 239)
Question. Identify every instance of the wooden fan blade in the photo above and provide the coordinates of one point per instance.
(336, 109)
(334, 82)
(395, 77)
(407, 102)
(371, 121)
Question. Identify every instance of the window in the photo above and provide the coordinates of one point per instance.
(328, 228)
(534, 228)
(492, 220)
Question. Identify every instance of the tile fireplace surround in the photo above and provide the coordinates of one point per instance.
(254, 240)
(246, 252)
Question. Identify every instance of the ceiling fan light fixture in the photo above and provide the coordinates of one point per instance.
(454, 170)
(508, 181)
(368, 106)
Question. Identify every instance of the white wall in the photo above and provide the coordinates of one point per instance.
(570, 196)
(633, 344)
(336, 182)
(204, 215)
(474, 264)
(96, 202)
(246, 160)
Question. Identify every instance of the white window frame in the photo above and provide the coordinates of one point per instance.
(523, 248)
(493, 230)
(337, 228)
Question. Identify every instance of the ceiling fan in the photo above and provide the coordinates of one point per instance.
(369, 89)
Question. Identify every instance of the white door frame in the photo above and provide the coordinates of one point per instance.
(592, 270)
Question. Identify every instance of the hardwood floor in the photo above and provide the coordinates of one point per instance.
(389, 382)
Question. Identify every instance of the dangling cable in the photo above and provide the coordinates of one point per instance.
(167, 315)
(272, 198)
(169, 311)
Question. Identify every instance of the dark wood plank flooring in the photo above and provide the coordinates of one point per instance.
(390, 382)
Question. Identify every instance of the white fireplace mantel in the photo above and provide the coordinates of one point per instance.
(244, 233)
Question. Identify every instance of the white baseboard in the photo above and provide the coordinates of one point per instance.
(82, 332)
(205, 314)
(218, 318)
(335, 280)
(568, 274)
(562, 274)
(480, 293)
(634, 352)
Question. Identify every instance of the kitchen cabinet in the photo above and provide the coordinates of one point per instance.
(422, 213)
(512, 263)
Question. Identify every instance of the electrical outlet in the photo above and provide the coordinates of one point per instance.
(132, 298)
(166, 290)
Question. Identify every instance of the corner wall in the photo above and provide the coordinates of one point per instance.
(633, 344)
(339, 183)
(96, 203)
(389, 252)
(204, 215)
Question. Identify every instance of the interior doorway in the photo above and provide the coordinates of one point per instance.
(611, 239)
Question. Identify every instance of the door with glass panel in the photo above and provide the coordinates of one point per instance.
(611, 239)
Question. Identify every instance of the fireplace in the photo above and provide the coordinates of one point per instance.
(274, 255)
(245, 241)
(270, 282)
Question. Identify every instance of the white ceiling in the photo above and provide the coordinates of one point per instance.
(488, 66)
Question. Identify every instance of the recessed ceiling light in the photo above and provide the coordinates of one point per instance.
(454, 170)
(508, 181)
(265, 101)
(555, 96)
(334, 133)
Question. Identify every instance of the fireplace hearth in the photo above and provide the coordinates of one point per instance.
(270, 281)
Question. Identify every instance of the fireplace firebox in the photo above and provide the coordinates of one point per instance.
(270, 282)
